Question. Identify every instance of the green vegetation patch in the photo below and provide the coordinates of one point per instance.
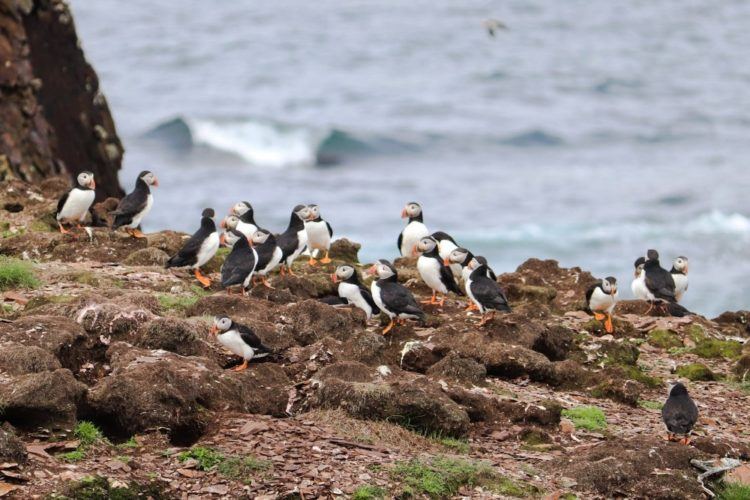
(715, 348)
(456, 445)
(176, 302)
(87, 433)
(16, 273)
(666, 339)
(586, 417)
(650, 405)
(734, 491)
(73, 456)
(696, 372)
(99, 488)
(367, 492)
(237, 468)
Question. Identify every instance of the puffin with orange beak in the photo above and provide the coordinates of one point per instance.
(245, 218)
(392, 297)
(239, 266)
(269, 254)
(199, 249)
(679, 274)
(414, 231)
(351, 289)
(239, 339)
(434, 272)
(319, 234)
(293, 241)
(601, 298)
(75, 204)
(485, 293)
(135, 206)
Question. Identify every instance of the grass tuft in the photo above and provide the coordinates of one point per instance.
(714, 348)
(696, 372)
(16, 273)
(368, 492)
(176, 302)
(73, 456)
(240, 469)
(734, 491)
(650, 405)
(666, 339)
(207, 458)
(586, 417)
(87, 433)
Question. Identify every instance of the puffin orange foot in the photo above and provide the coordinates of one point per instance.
(389, 327)
(312, 262)
(136, 233)
(204, 280)
(241, 367)
(62, 229)
(326, 259)
(266, 283)
(599, 316)
(608, 326)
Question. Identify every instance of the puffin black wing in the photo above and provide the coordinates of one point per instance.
(446, 276)
(399, 300)
(400, 239)
(368, 298)
(188, 254)
(248, 336)
(330, 229)
(61, 202)
(132, 204)
(239, 263)
(660, 283)
(489, 293)
(679, 414)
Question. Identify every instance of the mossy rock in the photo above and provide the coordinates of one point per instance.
(696, 333)
(696, 372)
(149, 256)
(742, 368)
(665, 339)
(715, 348)
(620, 353)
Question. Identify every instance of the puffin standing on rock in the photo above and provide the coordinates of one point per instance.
(269, 254)
(679, 414)
(462, 257)
(659, 281)
(136, 205)
(353, 291)
(239, 266)
(246, 218)
(392, 297)
(679, 274)
(601, 298)
(485, 293)
(638, 286)
(414, 231)
(199, 249)
(239, 339)
(293, 241)
(319, 234)
(446, 244)
(75, 204)
(434, 272)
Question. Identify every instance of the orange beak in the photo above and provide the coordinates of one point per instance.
(250, 242)
(156, 182)
(334, 278)
(223, 223)
(686, 270)
(447, 261)
(213, 330)
(372, 271)
(223, 240)
(92, 184)
(414, 251)
(404, 215)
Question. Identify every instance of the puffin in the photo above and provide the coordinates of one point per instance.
(269, 254)
(485, 293)
(239, 339)
(601, 298)
(659, 282)
(353, 291)
(75, 204)
(679, 274)
(414, 231)
(490, 273)
(293, 241)
(199, 249)
(434, 272)
(135, 206)
(638, 285)
(463, 257)
(392, 297)
(239, 266)
(319, 234)
(679, 414)
(446, 244)
(246, 215)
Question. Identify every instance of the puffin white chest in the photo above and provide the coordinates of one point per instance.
(275, 261)
(601, 301)
(639, 288)
(353, 295)
(208, 249)
(140, 215)
(249, 277)
(470, 294)
(77, 205)
(301, 243)
(680, 284)
(429, 270)
(410, 236)
(233, 341)
(246, 228)
(375, 290)
(318, 237)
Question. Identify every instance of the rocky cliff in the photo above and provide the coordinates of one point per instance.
(54, 118)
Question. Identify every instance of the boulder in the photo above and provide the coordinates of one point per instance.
(736, 323)
(312, 320)
(149, 256)
(345, 250)
(119, 320)
(418, 356)
(553, 341)
(168, 242)
(49, 398)
(19, 359)
(233, 306)
(466, 371)
(12, 449)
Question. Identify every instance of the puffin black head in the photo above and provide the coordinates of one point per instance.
(680, 265)
(208, 212)
(639, 263)
(230, 237)
(230, 222)
(678, 389)
(425, 245)
(609, 285)
(221, 324)
(344, 273)
(260, 236)
(86, 180)
(481, 259)
(459, 255)
(412, 211)
(474, 264)
(652, 256)
(149, 178)
(441, 236)
(243, 210)
(313, 212)
(383, 269)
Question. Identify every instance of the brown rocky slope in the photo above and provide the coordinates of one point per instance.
(443, 409)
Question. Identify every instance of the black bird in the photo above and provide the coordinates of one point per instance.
(486, 293)
(353, 291)
(294, 240)
(659, 281)
(135, 206)
(490, 273)
(392, 297)
(239, 339)
(269, 254)
(434, 272)
(239, 266)
(679, 414)
(463, 257)
(199, 249)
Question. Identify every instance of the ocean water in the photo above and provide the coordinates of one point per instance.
(588, 132)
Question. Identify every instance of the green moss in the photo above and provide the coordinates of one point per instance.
(665, 339)
(40, 226)
(715, 348)
(87, 433)
(510, 488)
(620, 353)
(129, 444)
(176, 302)
(207, 458)
(696, 371)
(586, 417)
(98, 488)
(73, 456)
(16, 273)
(734, 491)
(696, 333)
(367, 492)
(456, 445)
(242, 469)
(650, 405)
